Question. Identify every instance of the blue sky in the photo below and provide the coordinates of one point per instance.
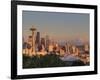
(59, 26)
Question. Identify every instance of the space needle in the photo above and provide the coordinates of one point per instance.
(33, 39)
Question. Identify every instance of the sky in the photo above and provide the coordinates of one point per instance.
(57, 25)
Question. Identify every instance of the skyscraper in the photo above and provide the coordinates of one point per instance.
(47, 41)
(43, 41)
(37, 39)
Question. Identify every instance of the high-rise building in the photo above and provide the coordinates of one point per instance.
(47, 41)
(86, 48)
(68, 48)
(30, 40)
(37, 39)
(43, 41)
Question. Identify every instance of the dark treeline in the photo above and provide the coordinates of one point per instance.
(50, 60)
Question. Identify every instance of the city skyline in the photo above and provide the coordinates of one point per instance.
(59, 26)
